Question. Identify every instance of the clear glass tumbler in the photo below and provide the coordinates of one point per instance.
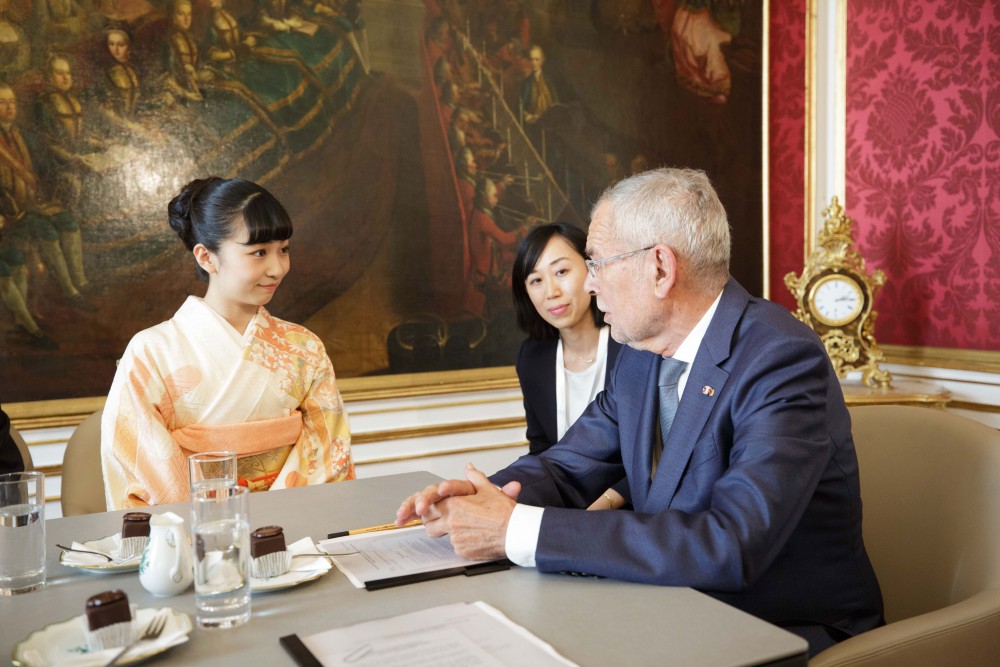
(22, 532)
(221, 533)
(212, 470)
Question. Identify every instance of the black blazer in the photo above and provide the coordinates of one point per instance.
(10, 455)
(536, 363)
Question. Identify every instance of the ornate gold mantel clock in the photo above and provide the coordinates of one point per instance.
(834, 295)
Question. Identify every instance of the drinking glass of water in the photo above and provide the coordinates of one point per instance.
(211, 470)
(22, 532)
(221, 532)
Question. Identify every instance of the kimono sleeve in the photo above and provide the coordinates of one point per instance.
(140, 461)
(322, 452)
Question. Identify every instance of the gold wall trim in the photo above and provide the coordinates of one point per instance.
(437, 430)
(432, 406)
(427, 384)
(975, 407)
(984, 361)
(72, 411)
(50, 441)
(465, 450)
(52, 414)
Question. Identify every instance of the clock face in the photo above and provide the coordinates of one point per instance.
(836, 300)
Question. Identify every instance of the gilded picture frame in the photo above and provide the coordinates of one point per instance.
(346, 111)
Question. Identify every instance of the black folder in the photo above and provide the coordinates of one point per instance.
(467, 570)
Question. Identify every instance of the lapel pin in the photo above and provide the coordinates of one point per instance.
(708, 391)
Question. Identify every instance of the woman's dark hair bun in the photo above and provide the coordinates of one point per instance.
(180, 209)
(208, 211)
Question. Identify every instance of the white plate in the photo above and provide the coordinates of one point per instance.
(305, 570)
(64, 644)
(108, 545)
(287, 580)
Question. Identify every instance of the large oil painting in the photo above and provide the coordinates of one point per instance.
(412, 141)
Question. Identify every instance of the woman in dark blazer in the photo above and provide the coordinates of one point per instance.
(568, 355)
(10, 455)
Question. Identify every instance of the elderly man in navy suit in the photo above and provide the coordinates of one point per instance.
(746, 489)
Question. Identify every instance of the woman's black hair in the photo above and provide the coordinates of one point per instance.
(528, 252)
(209, 211)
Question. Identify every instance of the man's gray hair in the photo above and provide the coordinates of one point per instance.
(678, 208)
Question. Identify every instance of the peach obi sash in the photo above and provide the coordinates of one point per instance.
(261, 446)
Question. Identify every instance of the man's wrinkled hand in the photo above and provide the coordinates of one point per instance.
(476, 523)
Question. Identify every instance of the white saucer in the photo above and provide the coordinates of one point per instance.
(95, 564)
(64, 644)
(287, 580)
(302, 571)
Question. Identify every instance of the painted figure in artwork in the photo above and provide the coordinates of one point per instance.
(491, 250)
(64, 22)
(538, 95)
(122, 90)
(697, 30)
(76, 136)
(33, 219)
(185, 73)
(15, 177)
(227, 41)
(15, 48)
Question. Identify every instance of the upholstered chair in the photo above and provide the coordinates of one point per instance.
(82, 477)
(22, 447)
(930, 487)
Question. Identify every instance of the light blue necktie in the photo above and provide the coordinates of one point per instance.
(670, 372)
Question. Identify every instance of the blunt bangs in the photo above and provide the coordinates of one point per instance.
(266, 219)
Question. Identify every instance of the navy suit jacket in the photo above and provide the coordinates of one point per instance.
(536, 371)
(756, 497)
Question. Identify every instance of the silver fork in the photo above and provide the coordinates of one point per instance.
(153, 631)
(84, 551)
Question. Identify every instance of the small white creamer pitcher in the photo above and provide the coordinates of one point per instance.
(166, 567)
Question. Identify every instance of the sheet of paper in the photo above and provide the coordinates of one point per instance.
(460, 634)
(391, 553)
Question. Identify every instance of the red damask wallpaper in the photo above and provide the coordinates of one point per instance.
(923, 165)
(786, 144)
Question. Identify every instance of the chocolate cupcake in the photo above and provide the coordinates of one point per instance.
(135, 535)
(107, 608)
(270, 555)
(109, 620)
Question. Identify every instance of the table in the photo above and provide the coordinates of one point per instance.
(590, 621)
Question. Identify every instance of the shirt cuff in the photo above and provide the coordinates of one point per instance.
(522, 534)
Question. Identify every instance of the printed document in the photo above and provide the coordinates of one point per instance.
(392, 553)
(462, 634)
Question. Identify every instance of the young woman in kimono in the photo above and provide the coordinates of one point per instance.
(222, 373)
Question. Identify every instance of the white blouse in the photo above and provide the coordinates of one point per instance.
(576, 389)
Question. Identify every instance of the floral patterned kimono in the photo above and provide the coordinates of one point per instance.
(194, 384)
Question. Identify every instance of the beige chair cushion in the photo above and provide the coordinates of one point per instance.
(82, 478)
(22, 447)
(930, 484)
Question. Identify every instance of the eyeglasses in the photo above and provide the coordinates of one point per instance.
(593, 265)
